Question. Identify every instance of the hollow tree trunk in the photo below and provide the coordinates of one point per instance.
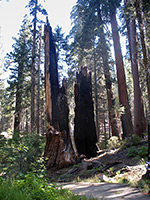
(122, 89)
(58, 149)
(84, 130)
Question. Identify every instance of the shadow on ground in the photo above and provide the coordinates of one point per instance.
(104, 191)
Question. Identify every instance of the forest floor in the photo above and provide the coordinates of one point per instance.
(107, 175)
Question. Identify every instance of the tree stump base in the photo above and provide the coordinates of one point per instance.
(58, 150)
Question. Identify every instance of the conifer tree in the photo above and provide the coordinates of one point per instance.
(18, 62)
(35, 7)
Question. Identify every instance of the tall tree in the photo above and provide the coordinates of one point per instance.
(93, 42)
(138, 103)
(34, 9)
(122, 88)
(58, 148)
(144, 49)
(18, 61)
(108, 81)
(138, 125)
(38, 83)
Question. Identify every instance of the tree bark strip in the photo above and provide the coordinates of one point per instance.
(110, 97)
(33, 70)
(122, 89)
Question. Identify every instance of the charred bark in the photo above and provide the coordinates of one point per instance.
(58, 150)
(84, 130)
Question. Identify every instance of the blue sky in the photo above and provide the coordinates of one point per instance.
(12, 13)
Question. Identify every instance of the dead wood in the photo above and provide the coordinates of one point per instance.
(84, 130)
(58, 153)
(58, 150)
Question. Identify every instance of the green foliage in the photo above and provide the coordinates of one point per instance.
(102, 144)
(32, 187)
(143, 152)
(132, 141)
(113, 142)
(144, 185)
(132, 152)
(22, 154)
(123, 180)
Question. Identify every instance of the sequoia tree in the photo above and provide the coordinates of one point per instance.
(59, 149)
(108, 81)
(122, 88)
(35, 7)
(84, 130)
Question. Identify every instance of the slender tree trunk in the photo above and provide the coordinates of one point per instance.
(108, 82)
(96, 96)
(47, 77)
(130, 44)
(27, 125)
(148, 141)
(18, 107)
(33, 70)
(144, 51)
(38, 85)
(138, 128)
(122, 89)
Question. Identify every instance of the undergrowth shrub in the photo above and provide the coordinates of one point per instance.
(132, 152)
(113, 142)
(22, 154)
(144, 185)
(143, 152)
(131, 141)
(32, 187)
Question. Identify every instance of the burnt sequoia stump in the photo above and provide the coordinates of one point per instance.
(58, 150)
(84, 130)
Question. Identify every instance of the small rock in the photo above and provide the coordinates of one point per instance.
(104, 178)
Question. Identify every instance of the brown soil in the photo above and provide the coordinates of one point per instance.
(109, 162)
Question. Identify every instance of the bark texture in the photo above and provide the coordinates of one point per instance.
(58, 149)
(38, 85)
(122, 89)
(143, 44)
(33, 69)
(138, 122)
(18, 107)
(149, 142)
(85, 130)
(110, 96)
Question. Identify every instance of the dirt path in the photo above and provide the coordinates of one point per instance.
(104, 191)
